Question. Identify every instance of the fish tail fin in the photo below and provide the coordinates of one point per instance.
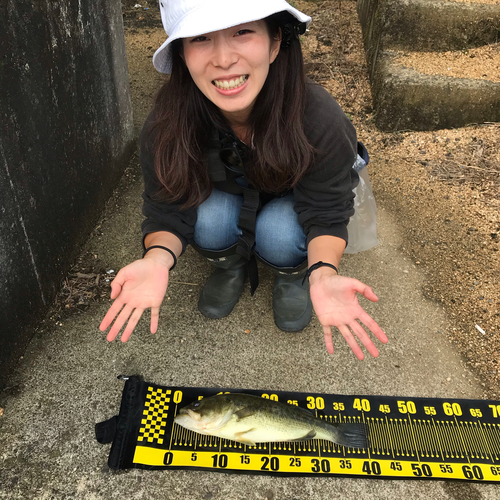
(351, 436)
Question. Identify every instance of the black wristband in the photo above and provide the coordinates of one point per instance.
(163, 248)
(317, 266)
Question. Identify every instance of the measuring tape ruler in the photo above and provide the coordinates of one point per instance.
(419, 438)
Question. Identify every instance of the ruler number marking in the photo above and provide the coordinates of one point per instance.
(372, 468)
(420, 470)
(273, 463)
(495, 410)
(396, 466)
(495, 470)
(451, 409)
(361, 405)
(315, 403)
(323, 466)
(219, 460)
(447, 469)
(273, 397)
(407, 407)
(168, 458)
(473, 472)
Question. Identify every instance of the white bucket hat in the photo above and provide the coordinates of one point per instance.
(185, 18)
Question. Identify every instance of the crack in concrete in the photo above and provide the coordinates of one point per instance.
(21, 220)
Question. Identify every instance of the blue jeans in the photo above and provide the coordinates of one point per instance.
(279, 238)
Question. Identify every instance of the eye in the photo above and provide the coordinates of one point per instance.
(243, 32)
(196, 404)
(201, 38)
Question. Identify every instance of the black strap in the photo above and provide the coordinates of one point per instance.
(163, 248)
(317, 265)
(220, 173)
(105, 432)
(246, 242)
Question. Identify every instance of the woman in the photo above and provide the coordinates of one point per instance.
(243, 158)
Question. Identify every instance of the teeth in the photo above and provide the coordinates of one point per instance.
(231, 84)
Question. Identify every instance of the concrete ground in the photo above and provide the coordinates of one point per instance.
(66, 382)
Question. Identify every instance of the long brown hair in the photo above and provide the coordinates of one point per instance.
(184, 119)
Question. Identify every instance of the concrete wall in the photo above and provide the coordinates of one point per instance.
(66, 132)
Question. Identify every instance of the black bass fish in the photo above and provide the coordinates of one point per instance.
(251, 419)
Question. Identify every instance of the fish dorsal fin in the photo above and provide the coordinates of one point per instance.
(244, 412)
(309, 435)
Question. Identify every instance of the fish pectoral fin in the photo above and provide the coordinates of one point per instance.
(309, 435)
(244, 412)
(242, 439)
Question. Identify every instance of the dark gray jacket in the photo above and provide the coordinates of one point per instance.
(323, 197)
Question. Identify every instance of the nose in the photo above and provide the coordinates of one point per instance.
(224, 55)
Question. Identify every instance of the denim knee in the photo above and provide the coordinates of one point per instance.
(216, 226)
(279, 238)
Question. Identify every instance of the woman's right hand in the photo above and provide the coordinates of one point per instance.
(139, 285)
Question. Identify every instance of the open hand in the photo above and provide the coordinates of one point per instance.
(335, 302)
(139, 285)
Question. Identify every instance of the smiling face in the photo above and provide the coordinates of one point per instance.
(230, 66)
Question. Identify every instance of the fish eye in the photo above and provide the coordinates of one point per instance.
(196, 404)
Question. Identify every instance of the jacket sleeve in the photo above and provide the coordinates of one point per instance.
(324, 198)
(161, 215)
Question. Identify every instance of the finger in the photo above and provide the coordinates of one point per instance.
(155, 314)
(117, 284)
(327, 331)
(372, 325)
(119, 322)
(364, 338)
(351, 342)
(366, 291)
(132, 323)
(110, 315)
(116, 288)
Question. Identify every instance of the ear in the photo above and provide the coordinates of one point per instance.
(275, 47)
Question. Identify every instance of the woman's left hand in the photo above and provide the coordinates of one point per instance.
(335, 302)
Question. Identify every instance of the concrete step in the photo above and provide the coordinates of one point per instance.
(406, 99)
(428, 24)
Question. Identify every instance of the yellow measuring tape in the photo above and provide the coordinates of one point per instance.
(420, 438)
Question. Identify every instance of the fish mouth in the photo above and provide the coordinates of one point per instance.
(194, 415)
(231, 84)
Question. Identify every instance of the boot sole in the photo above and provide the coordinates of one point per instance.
(291, 327)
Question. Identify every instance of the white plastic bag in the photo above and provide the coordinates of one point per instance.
(362, 227)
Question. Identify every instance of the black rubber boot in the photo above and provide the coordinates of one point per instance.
(291, 301)
(223, 289)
